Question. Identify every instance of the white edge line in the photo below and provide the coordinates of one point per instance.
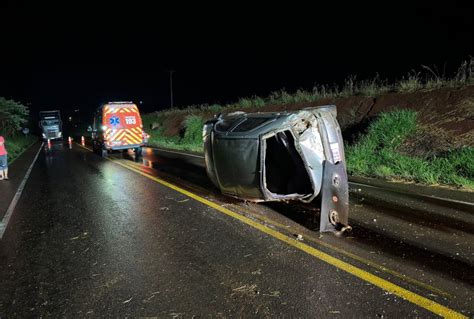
(16, 198)
(185, 154)
(421, 195)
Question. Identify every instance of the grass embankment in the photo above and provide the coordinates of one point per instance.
(384, 152)
(380, 153)
(194, 115)
(190, 140)
(17, 145)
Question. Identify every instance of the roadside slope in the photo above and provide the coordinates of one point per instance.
(445, 121)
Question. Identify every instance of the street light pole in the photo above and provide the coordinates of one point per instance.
(171, 87)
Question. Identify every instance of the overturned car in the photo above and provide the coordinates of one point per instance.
(279, 157)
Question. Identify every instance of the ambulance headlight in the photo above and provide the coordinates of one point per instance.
(104, 127)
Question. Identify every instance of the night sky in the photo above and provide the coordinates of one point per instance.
(76, 58)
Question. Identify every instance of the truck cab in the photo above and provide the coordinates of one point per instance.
(51, 125)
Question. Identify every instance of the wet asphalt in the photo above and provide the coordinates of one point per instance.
(90, 238)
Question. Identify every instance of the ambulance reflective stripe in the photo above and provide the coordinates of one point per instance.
(133, 137)
(107, 132)
(114, 134)
(130, 140)
(127, 136)
(108, 110)
(121, 135)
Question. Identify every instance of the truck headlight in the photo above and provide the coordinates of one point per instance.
(44, 135)
(60, 134)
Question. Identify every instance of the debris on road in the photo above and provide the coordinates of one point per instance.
(257, 272)
(81, 236)
(275, 293)
(151, 297)
(246, 290)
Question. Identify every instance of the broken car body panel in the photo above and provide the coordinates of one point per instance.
(280, 156)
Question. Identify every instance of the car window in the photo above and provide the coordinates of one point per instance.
(227, 124)
(250, 124)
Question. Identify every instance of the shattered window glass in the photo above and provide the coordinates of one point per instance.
(227, 124)
(250, 124)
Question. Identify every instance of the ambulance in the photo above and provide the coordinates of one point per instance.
(118, 126)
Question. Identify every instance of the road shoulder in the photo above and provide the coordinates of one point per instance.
(17, 171)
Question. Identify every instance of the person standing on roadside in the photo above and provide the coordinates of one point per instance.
(3, 159)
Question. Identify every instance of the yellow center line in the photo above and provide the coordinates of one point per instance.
(363, 260)
(386, 285)
(350, 255)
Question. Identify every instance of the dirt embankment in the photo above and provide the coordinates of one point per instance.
(446, 115)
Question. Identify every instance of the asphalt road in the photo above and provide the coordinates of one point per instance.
(93, 237)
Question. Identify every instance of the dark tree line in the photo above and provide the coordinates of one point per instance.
(12, 116)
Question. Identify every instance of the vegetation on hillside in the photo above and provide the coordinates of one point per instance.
(190, 140)
(378, 154)
(17, 144)
(382, 152)
(13, 115)
(424, 80)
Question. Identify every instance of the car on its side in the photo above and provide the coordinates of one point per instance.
(280, 157)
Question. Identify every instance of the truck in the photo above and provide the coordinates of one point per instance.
(51, 125)
(118, 126)
(284, 156)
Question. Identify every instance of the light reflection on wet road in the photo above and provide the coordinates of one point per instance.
(92, 238)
